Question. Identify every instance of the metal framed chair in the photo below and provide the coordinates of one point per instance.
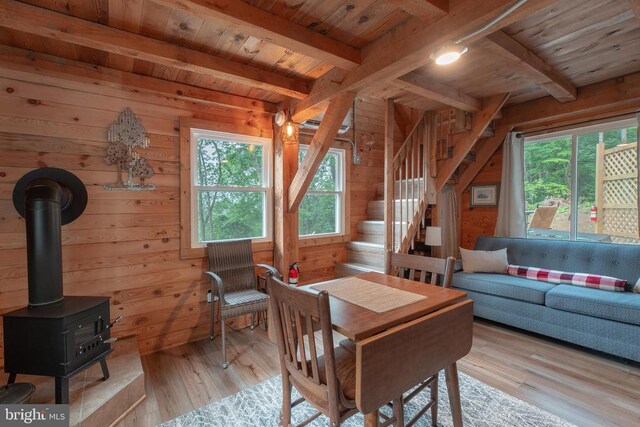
(234, 284)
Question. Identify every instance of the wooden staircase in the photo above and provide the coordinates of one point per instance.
(440, 149)
(367, 252)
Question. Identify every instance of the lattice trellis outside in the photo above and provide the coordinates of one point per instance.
(617, 192)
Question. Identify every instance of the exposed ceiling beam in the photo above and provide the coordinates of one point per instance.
(599, 100)
(320, 144)
(427, 10)
(46, 23)
(635, 6)
(408, 46)
(548, 77)
(420, 84)
(15, 62)
(272, 28)
(464, 142)
(487, 146)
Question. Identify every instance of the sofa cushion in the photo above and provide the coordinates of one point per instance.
(608, 259)
(622, 307)
(503, 285)
(484, 261)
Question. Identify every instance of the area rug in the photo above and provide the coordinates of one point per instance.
(482, 406)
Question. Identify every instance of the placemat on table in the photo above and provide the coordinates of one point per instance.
(370, 295)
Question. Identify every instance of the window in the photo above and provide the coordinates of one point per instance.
(322, 210)
(583, 184)
(231, 187)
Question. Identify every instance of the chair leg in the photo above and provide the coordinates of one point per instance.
(224, 345)
(253, 319)
(285, 417)
(266, 320)
(434, 397)
(212, 321)
(398, 412)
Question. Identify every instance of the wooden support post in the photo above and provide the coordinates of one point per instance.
(389, 226)
(285, 233)
(320, 144)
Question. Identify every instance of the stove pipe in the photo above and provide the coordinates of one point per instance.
(44, 200)
(47, 198)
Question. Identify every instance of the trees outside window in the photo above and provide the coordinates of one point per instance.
(570, 170)
(322, 209)
(231, 187)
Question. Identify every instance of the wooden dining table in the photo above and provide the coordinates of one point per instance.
(359, 324)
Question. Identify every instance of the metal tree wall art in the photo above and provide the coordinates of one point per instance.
(125, 135)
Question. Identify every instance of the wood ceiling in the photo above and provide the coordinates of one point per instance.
(277, 49)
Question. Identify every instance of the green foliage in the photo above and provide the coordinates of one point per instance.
(548, 167)
(222, 214)
(318, 212)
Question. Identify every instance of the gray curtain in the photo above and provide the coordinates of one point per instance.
(511, 214)
(448, 221)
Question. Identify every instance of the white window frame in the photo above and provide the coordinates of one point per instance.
(575, 134)
(341, 214)
(267, 180)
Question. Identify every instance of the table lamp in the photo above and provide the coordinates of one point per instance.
(433, 238)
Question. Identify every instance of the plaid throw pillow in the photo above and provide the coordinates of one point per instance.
(595, 281)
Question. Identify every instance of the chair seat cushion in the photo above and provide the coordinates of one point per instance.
(345, 371)
(618, 306)
(244, 302)
(502, 285)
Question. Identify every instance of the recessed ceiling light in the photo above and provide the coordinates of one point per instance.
(448, 54)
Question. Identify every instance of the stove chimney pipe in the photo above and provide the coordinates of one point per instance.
(47, 198)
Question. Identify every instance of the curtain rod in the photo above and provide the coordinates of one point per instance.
(572, 125)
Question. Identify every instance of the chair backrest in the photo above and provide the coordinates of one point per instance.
(439, 270)
(232, 260)
(296, 314)
(425, 346)
(543, 217)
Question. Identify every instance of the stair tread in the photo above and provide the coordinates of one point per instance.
(360, 266)
(367, 244)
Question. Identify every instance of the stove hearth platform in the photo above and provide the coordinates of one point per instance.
(94, 402)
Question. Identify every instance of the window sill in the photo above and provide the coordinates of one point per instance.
(193, 253)
(329, 239)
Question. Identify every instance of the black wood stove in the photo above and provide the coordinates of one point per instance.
(54, 335)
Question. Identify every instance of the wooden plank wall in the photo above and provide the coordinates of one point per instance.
(126, 244)
(480, 221)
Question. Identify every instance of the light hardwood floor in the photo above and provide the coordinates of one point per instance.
(583, 387)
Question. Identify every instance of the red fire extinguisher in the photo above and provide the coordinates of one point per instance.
(594, 213)
(294, 274)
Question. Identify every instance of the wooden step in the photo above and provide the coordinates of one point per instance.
(413, 184)
(346, 269)
(365, 253)
(372, 231)
(375, 209)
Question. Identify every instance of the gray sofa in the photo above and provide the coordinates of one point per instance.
(601, 320)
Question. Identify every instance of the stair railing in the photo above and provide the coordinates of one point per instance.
(413, 186)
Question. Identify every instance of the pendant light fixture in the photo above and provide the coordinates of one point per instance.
(290, 131)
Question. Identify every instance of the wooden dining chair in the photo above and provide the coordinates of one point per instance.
(326, 381)
(434, 271)
(426, 346)
(234, 284)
